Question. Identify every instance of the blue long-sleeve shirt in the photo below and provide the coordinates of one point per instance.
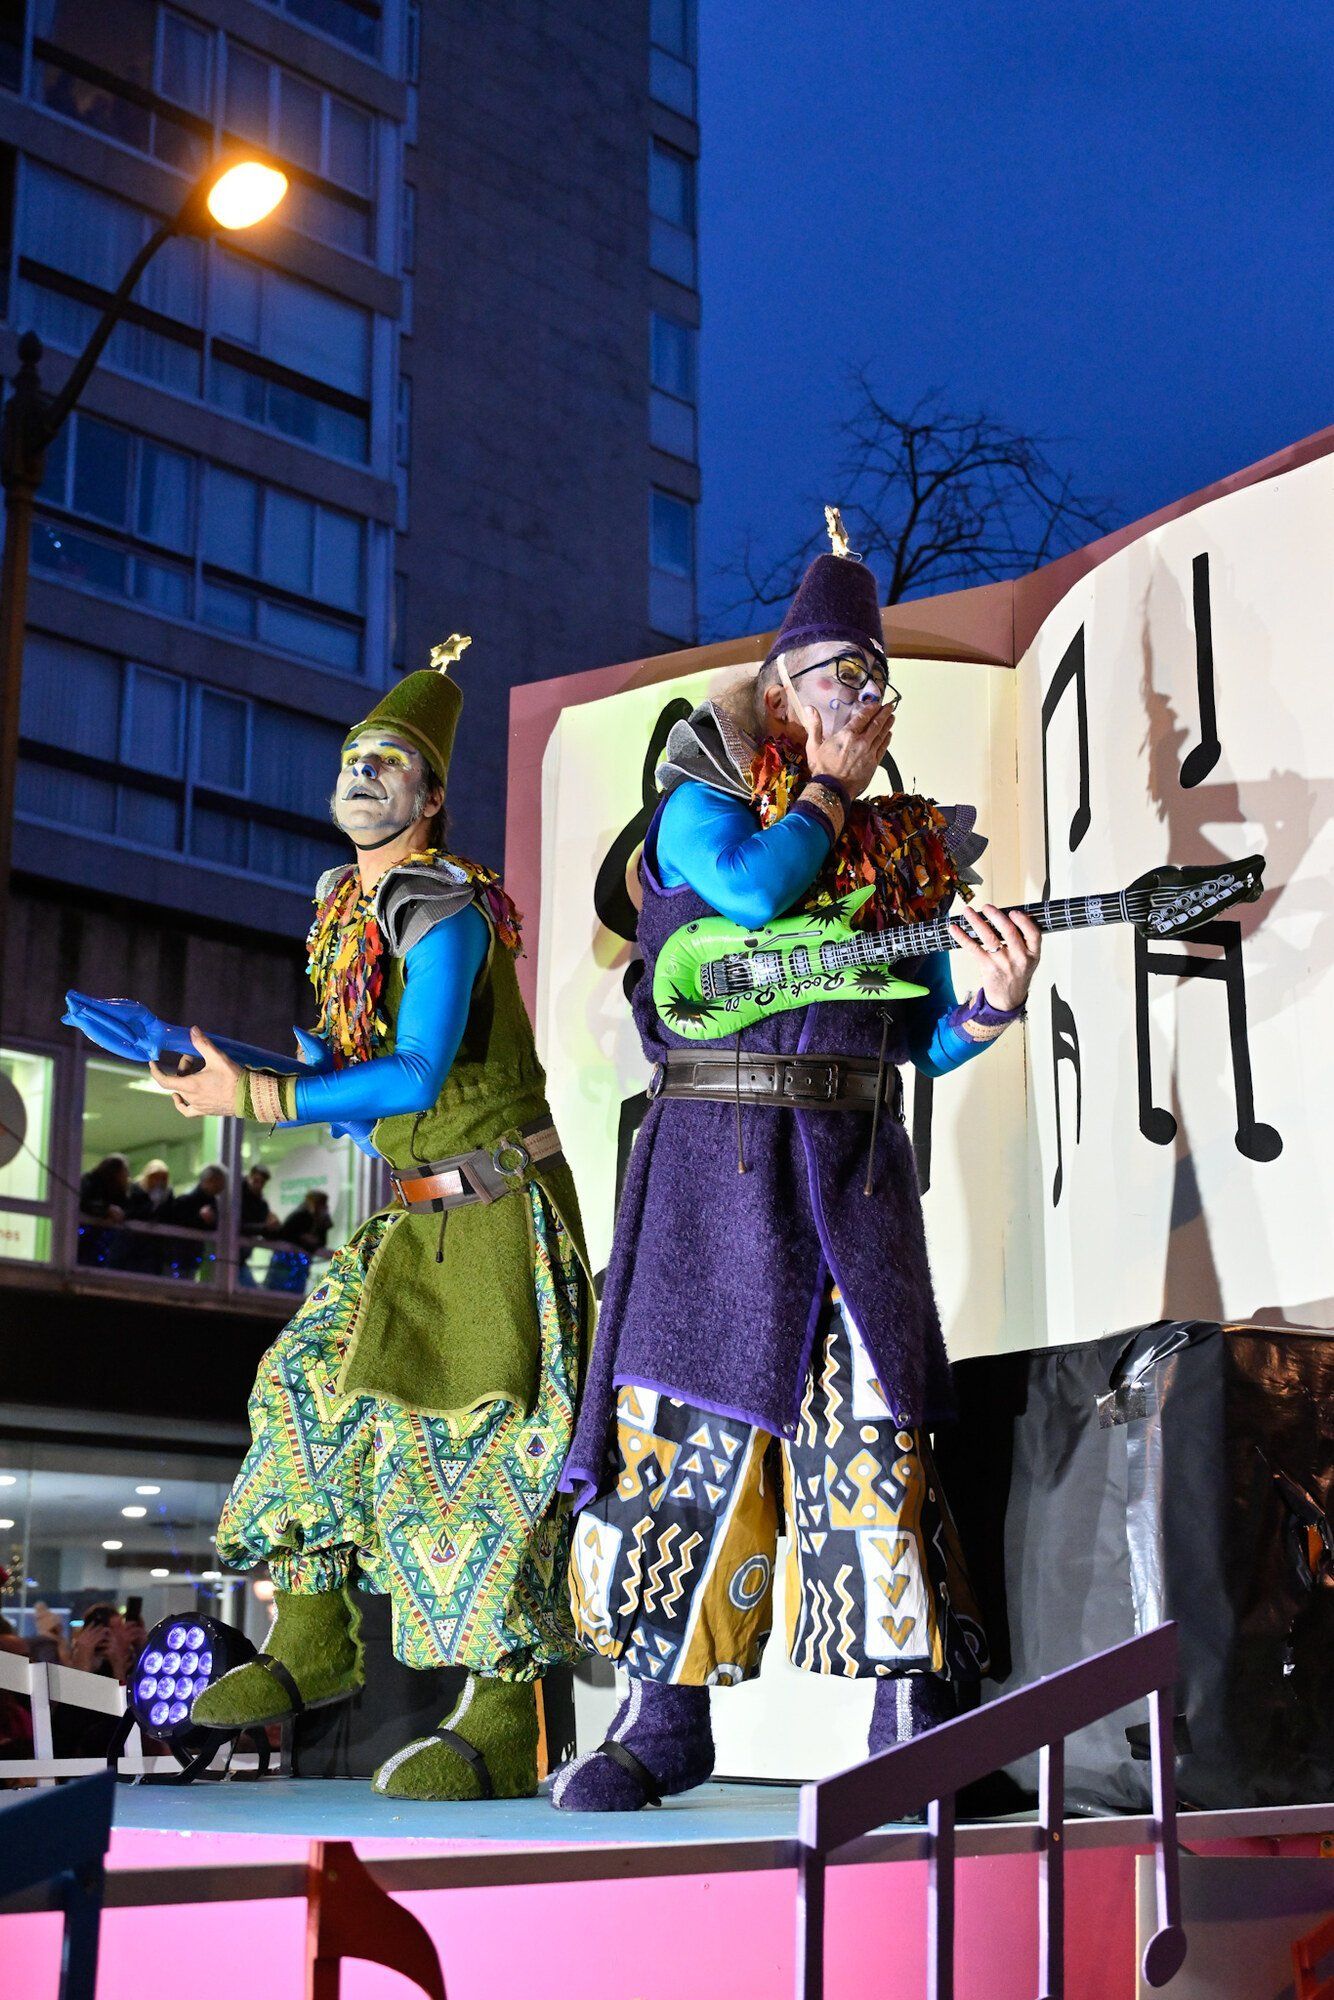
(438, 977)
(708, 841)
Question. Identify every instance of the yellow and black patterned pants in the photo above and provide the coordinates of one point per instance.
(672, 1572)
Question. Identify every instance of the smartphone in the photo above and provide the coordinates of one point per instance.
(134, 1610)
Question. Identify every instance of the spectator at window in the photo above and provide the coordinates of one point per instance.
(197, 1210)
(308, 1228)
(104, 1192)
(257, 1218)
(149, 1194)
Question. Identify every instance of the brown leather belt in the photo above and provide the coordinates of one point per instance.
(486, 1175)
(804, 1083)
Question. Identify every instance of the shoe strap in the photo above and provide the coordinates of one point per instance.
(283, 1676)
(626, 1758)
(470, 1753)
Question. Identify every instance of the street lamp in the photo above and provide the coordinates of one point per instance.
(233, 193)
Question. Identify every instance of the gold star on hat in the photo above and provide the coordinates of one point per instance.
(449, 652)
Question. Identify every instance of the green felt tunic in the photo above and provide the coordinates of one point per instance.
(448, 1321)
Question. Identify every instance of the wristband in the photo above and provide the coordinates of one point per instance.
(269, 1099)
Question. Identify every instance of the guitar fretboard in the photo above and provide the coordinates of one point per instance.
(916, 940)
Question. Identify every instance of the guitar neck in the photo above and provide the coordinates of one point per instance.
(1072, 913)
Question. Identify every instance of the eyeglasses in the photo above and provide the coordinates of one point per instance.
(851, 671)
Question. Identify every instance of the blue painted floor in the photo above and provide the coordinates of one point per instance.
(342, 1809)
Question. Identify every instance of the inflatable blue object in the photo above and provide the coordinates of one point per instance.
(131, 1031)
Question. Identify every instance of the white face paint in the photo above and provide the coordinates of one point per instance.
(820, 673)
(383, 788)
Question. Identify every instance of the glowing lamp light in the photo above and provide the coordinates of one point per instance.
(244, 194)
(6, 1523)
(148, 1489)
(8, 1479)
(113, 1545)
(134, 1513)
(159, 1572)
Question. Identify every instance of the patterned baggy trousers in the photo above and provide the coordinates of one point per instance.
(672, 1571)
(456, 1518)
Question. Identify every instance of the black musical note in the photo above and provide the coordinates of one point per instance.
(1065, 1048)
(633, 1111)
(1070, 669)
(923, 1101)
(1255, 1140)
(611, 898)
(1201, 760)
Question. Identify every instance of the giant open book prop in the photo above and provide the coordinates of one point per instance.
(1158, 1140)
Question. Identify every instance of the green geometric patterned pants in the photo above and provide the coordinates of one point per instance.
(456, 1518)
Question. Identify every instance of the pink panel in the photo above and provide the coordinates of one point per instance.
(698, 1938)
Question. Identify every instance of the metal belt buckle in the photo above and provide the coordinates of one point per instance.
(811, 1080)
(657, 1080)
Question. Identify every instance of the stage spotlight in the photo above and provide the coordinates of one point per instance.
(176, 1662)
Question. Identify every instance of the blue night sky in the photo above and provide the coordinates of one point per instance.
(1107, 223)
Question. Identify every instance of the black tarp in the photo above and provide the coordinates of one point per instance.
(399, 1703)
(1183, 1470)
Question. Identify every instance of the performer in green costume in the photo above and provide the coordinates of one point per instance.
(409, 1425)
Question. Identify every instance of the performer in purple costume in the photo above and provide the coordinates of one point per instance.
(768, 1324)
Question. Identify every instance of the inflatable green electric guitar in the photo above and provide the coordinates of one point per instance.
(714, 978)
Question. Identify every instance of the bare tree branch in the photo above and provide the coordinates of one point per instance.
(934, 500)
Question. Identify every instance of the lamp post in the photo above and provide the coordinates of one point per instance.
(233, 194)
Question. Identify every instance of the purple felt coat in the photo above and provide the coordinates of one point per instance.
(716, 1277)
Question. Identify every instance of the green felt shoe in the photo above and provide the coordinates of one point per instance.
(312, 1660)
(486, 1748)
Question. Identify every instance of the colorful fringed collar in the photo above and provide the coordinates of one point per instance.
(898, 843)
(346, 952)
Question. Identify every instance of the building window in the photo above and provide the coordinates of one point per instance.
(403, 422)
(399, 650)
(407, 246)
(329, 140)
(203, 542)
(672, 54)
(136, 72)
(68, 1548)
(671, 186)
(672, 396)
(671, 565)
(27, 1089)
(356, 23)
(115, 749)
(271, 349)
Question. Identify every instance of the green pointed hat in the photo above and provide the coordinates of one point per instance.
(424, 707)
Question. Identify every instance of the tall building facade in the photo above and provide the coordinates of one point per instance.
(451, 386)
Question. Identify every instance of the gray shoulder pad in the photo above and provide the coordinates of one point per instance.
(330, 878)
(965, 844)
(704, 747)
(414, 902)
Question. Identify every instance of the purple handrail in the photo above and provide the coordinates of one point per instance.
(932, 1769)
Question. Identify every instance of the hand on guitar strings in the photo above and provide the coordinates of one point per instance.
(853, 755)
(1002, 956)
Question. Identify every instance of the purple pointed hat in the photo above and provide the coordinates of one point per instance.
(836, 599)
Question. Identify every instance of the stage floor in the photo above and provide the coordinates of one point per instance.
(347, 1809)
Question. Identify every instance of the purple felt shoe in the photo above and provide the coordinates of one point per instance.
(908, 1705)
(660, 1743)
